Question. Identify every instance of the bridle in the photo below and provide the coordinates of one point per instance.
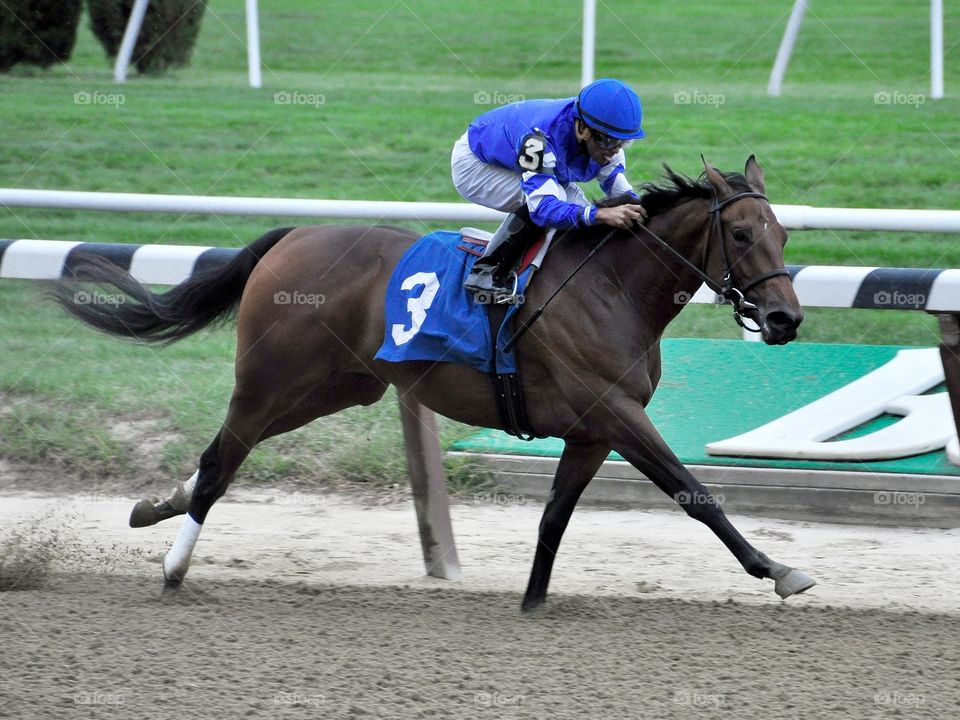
(731, 291)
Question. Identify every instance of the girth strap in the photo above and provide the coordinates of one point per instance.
(510, 405)
(507, 389)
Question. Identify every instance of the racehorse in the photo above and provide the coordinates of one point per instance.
(589, 365)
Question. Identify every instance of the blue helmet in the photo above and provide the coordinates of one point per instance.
(611, 107)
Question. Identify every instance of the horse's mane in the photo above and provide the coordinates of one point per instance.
(675, 189)
(657, 198)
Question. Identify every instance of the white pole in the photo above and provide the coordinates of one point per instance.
(936, 49)
(253, 44)
(589, 41)
(129, 40)
(786, 48)
(210, 204)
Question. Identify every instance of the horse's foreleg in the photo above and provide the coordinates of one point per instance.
(578, 464)
(646, 450)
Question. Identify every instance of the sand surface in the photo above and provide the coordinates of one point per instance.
(312, 605)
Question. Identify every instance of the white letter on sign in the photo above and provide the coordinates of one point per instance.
(417, 305)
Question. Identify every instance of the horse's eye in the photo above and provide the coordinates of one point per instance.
(742, 234)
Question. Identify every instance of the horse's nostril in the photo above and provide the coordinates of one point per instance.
(782, 320)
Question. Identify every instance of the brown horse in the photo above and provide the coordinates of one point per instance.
(589, 366)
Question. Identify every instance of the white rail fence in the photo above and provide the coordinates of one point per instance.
(793, 217)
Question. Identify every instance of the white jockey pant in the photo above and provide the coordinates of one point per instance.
(497, 187)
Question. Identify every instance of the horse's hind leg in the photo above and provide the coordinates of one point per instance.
(578, 464)
(218, 465)
(254, 416)
(152, 510)
(353, 388)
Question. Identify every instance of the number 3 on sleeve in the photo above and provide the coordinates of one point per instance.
(531, 153)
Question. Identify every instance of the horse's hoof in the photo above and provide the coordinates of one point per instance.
(793, 583)
(144, 513)
(174, 571)
(171, 577)
(151, 511)
(531, 604)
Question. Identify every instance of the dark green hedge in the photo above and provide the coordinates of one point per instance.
(37, 32)
(166, 39)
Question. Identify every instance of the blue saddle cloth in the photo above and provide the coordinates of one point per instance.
(429, 316)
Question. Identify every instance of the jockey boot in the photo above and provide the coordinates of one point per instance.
(493, 273)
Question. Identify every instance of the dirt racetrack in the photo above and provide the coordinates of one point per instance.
(317, 608)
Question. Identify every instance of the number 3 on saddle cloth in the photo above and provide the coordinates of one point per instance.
(429, 316)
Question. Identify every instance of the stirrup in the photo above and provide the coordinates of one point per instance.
(500, 294)
(497, 293)
(481, 281)
(508, 298)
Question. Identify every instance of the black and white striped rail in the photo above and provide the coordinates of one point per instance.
(875, 288)
(816, 285)
(152, 264)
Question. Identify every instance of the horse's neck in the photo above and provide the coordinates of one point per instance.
(659, 283)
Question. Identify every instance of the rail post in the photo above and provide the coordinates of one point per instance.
(950, 355)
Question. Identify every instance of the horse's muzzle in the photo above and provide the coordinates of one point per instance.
(780, 327)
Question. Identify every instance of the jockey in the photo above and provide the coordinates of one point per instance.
(525, 158)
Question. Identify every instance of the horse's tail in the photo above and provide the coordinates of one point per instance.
(204, 298)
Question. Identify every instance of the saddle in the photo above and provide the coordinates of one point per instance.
(475, 240)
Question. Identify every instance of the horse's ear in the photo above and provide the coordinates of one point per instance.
(754, 174)
(719, 183)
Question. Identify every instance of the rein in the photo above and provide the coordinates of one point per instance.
(521, 331)
(731, 291)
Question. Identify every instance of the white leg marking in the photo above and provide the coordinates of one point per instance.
(177, 560)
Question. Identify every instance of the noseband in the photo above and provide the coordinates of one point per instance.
(733, 291)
